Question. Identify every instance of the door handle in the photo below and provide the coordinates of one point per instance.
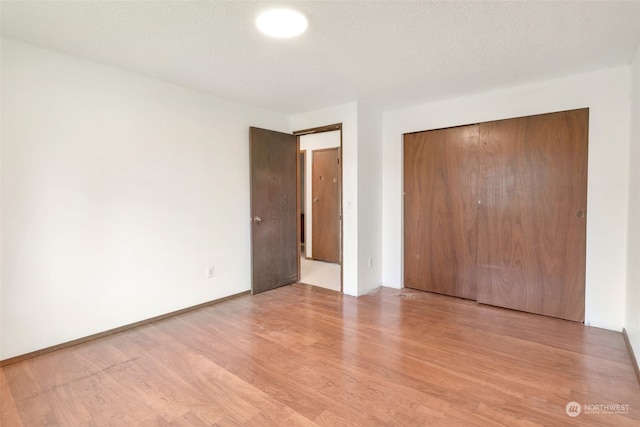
(315, 199)
(257, 219)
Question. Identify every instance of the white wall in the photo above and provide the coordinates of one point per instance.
(632, 324)
(309, 143)
(117, 192)
(1, 222)
(606, 93)
(347, 114)
(369, 198)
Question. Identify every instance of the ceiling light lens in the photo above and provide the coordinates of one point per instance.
(282, 23)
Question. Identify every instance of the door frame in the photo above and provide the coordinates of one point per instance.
(302, 159)
(322, 129)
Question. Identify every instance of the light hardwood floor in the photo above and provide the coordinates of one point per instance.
(302, 355)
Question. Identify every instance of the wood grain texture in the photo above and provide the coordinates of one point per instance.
(274, 239)
(440, 210)
(533, 239)
(326, 205)
(306, 356)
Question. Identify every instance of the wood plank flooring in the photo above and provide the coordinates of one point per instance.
(300, 355)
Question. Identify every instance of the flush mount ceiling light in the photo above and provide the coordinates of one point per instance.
(281, 23)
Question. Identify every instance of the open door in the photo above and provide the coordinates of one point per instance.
(274, 210)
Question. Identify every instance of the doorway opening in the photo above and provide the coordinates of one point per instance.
(320, 206)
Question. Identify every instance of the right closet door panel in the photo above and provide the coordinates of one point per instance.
(532, 213)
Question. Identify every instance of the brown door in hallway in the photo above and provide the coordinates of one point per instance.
(440, 213)
(326, 205)
(274, 210)
(531, 221)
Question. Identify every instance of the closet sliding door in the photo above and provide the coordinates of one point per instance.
(496, 212)
(439, 210)
(531, 220)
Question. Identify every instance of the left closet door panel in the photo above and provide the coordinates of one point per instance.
(440, 210)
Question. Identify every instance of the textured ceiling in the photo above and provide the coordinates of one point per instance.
(387, 54)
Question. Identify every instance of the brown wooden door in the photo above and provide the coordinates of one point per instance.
(326, 205)
(531, 224)
(439, 210)
(274, 233)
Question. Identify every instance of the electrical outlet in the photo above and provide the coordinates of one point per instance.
(370, 262)
(210, 272)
